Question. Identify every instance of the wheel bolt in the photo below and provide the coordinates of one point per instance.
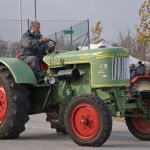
(82, 121)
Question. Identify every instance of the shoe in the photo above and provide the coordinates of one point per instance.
(40, 80)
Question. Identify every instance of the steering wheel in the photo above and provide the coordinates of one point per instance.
(51, 45)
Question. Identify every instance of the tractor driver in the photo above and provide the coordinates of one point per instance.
(33, 48)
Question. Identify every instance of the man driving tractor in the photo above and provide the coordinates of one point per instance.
(33, 49)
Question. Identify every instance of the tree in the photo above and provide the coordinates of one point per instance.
(60, 42)
(9, 49)
(143, 30)
(96, 33)
(129, 41)
(3, 48)
(14, 49)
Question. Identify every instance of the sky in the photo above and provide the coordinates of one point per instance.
(115, 15)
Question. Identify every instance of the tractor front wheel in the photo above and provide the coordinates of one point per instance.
(88, 120)
(14, 106)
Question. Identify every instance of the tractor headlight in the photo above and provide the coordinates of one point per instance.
(52, 80)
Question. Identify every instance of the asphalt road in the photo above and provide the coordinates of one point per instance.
(39, 136)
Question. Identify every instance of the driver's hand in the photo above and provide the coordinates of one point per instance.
(44, 40)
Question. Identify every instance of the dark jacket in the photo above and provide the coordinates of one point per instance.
(141, 70)
(30, 46)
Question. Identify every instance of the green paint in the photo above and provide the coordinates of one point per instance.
(97, 58)
(21, 72)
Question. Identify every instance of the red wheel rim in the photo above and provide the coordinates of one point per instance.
(139, 123)
(3, 104)
(85, 121)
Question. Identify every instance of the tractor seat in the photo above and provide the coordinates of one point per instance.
(43, 66)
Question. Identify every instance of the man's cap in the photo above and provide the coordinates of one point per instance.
(140, 62)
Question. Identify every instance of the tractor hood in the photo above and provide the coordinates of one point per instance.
(83, 56)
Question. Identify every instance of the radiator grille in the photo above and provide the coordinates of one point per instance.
(120, 68)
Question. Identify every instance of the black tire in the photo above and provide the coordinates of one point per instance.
(137, 126)
(55, 124)
(141, 85)
(135, 132)
(18, 106)
(103, 117)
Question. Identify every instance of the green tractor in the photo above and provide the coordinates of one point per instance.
(81, 93)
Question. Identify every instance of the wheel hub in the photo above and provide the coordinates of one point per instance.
(3, 104)
(85, 121)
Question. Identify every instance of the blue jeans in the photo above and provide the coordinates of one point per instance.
(33, 61)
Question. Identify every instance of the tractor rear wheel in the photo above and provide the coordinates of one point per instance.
(88, 120)
(14, 106)
(138, 126)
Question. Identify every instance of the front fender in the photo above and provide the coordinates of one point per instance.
(21, 72)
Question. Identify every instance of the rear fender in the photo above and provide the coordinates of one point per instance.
(135, 79)
(21, 72)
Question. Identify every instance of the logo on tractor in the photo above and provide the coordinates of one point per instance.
(102, 70)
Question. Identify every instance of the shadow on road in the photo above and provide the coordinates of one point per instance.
(43, 137)
(117, 139)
